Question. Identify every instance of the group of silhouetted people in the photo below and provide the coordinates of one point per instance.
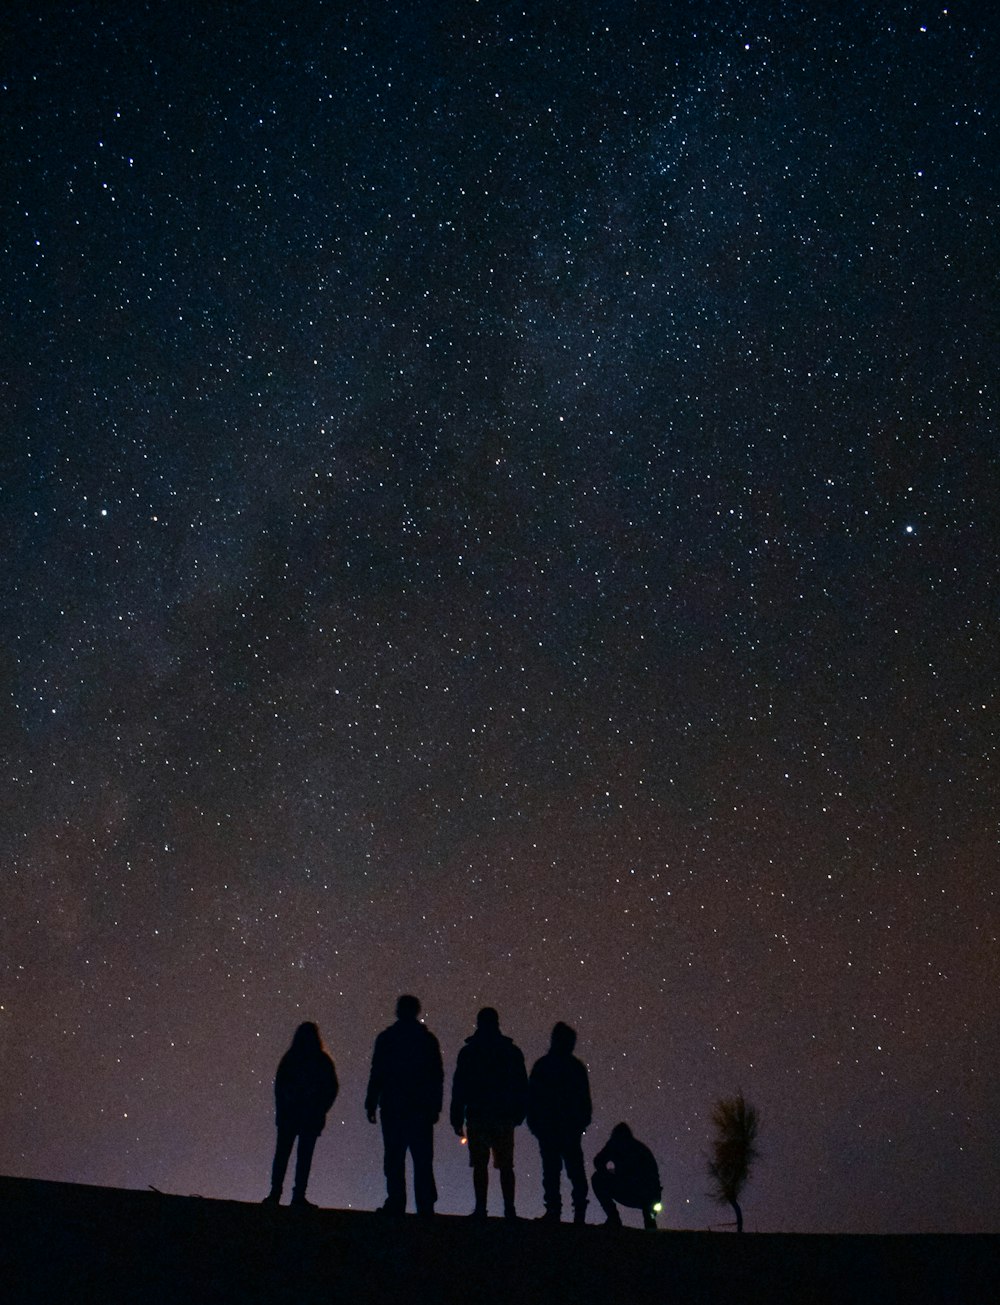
(491, 1095)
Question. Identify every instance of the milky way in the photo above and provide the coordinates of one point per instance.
(503, 505)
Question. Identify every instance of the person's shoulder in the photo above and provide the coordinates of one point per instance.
(430, 1040)
(514, 1049)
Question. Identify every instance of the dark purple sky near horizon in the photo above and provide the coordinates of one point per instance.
(502, 504)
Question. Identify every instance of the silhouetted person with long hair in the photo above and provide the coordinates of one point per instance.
(625, 1172)
(559, 1111)
(488, 1099)
(305, 1087)
(407, 1085)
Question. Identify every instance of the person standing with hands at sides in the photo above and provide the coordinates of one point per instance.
(559, 1110)
(488, 1099)
(305, 1087)
(407, 1084)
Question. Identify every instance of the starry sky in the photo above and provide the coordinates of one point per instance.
(499, 501)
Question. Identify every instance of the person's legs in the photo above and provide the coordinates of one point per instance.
(479, 1159)
(503, 1160)
(551, 1175)
(602, 1184)
(282, 1150)
(303, 1163)
(507, 1189)
(573, 1158)
(481, 1187)
(421, 1140)
(637, 1198)
(394, 1164)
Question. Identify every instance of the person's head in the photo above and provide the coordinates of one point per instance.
(307, 1039)
(621, 1133)
(407, 1008)
(488, 1021)
(563, 1038)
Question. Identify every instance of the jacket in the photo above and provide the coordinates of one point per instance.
(490, 1086)
(407, 1076)
(305, 1087)
(559, 1096)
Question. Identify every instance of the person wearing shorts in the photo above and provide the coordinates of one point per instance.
(486, 1141)
(488, 1100)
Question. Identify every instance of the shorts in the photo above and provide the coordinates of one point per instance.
(484, 1138)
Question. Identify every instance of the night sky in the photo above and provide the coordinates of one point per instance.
(501, 503)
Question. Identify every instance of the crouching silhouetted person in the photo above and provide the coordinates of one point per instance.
(407, 1085)
(305, 1087)
(559, 1110)
(625, 1173)
(488, 1098)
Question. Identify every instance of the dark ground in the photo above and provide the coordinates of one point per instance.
(60, 1242)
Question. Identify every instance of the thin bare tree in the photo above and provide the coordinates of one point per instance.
(733, 1151)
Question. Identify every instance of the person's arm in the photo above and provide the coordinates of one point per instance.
(332, 1085)
(587, 1106)
(520, 1084)
(533, 1114)
(280, 1089)
(457, 1112)
(374, 1083)
(437, 1070)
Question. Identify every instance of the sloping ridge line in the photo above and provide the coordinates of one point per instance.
(68, 1242)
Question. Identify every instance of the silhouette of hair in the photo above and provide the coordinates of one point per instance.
(563, 1038)
(307, 1040)
(407, 1008)
(488, 1020)
(621, 1131)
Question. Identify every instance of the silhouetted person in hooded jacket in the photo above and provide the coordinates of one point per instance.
(625, 1172)
(305, 1087)
(488, 1099)
(559, 1111)
(407, 1084)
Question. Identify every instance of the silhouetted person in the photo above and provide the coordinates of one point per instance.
(407, 1084)
(488, 1099)
(305, 1087)
(559, 1110)
(625, 1172)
